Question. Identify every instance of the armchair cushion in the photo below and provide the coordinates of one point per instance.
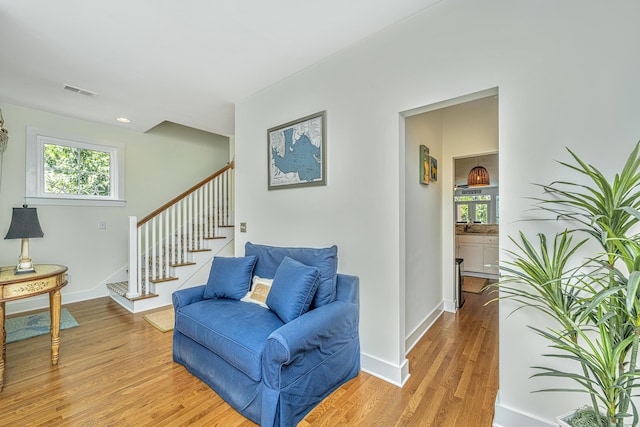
(229, 277)
(325, 259)
(293, 289)
(236, 333)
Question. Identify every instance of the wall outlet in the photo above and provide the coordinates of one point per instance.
(102, 225)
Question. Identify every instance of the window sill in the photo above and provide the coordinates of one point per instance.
(56, 201)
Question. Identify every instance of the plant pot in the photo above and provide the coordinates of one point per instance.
(563, 419)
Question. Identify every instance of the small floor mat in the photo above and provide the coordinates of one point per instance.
(162, 320)
(474, 285)
(31, 325)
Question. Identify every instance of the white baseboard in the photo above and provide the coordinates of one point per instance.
(42, 301)
(413, 338)
(505, 416)
(394, 374)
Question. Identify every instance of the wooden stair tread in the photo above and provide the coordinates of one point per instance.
(182, 264)
(141, 297)
(199, 250)
(215, 237)
(162, 280)
(121, 288)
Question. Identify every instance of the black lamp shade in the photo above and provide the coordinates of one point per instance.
(24, 224)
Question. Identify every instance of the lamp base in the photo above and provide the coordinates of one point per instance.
(18, 270)
(24, 263)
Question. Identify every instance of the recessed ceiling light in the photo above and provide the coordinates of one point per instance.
(123, 120)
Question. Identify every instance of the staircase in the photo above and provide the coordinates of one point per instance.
(173, 247)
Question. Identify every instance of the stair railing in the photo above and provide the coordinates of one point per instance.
(164, 238)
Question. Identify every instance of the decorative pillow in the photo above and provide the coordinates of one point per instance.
(229, 277)
(293, 289)
(325, 259)
(259, 290)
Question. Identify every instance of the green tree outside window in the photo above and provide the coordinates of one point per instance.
(76, 171)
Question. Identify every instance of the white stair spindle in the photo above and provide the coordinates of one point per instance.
(147, 263)
(190, 221)
(212, 209)
(216, 208)
(200, 218)
(232, 199)
(223, 197)
(154, 249)
(161, 250)
(172, 232)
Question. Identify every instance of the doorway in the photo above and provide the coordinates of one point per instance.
(476, 214)
(455, 129)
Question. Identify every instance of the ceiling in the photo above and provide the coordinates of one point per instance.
(187, 62)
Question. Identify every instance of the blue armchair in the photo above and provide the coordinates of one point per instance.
(270, 370)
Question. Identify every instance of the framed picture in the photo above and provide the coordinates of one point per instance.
(424, 165)
(433, 171)
(297, 153)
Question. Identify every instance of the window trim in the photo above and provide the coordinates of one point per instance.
(35, 195)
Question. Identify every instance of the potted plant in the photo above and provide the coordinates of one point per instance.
(594, 302)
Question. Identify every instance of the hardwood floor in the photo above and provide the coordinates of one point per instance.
(116, 370)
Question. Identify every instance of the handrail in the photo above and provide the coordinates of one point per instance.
(173, 201)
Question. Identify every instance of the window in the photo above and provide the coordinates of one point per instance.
(66, 170)
(474, 208)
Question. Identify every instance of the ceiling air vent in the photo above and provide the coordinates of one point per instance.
(78, 90)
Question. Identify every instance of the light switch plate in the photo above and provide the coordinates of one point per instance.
(243, 227)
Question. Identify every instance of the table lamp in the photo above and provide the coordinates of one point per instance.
(24, 225)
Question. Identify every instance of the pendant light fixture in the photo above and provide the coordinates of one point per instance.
(478, 177)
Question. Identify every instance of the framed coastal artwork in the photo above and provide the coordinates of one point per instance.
(424, 165)
(296, 153)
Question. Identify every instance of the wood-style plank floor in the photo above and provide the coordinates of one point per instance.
(116, 370)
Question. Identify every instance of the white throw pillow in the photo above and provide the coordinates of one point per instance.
(260, 288)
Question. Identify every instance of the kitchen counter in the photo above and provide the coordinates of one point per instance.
(472, 229)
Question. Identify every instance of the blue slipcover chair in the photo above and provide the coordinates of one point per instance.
(273, 371)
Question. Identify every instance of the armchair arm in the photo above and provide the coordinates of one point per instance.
(307, 341)
(184, 297)
(306, 359)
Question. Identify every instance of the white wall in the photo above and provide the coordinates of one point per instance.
(423, 222)
(567, 75)
(159, 165)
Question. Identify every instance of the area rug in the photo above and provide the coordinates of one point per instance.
(31, 325)
(474, 285)
(162, 320)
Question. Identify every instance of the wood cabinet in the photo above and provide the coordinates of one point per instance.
(480, 253)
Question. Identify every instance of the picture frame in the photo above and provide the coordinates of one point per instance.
(425, 165)
(433, 169)
(296, 153)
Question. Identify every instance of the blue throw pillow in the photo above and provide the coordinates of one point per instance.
(230, 277)
(293, 289)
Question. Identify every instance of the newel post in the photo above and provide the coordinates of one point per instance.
(133, 292)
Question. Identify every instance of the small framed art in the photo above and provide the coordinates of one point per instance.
(424, 165)
(433, 170)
